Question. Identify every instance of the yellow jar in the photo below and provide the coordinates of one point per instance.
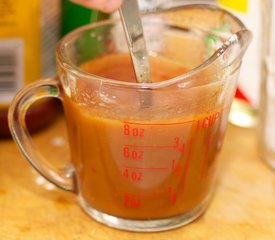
(28, 33)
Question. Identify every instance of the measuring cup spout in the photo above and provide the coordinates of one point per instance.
(234, 48)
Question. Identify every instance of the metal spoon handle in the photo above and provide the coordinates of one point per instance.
(129, 13)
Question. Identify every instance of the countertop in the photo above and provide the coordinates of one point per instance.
(243, 206)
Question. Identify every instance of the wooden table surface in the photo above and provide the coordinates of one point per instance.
(243, 206)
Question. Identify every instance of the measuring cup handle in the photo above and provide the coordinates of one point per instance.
(17, 124)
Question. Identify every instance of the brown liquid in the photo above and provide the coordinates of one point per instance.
(141, 168)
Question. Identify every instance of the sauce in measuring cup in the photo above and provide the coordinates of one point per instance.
(139, 167)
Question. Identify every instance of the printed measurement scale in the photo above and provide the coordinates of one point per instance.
(149, 162)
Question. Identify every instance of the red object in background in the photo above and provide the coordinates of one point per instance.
(240, 95)
(38, 117)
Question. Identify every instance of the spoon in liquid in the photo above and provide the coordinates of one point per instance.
(129, 14)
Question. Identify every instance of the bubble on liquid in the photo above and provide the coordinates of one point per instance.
(93, 34)
(86, 98)
(107, 98)
(101, 104)
(99, 38)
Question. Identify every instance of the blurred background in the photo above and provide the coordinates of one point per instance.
(29, 33)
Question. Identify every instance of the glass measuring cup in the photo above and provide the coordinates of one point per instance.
(143, 156)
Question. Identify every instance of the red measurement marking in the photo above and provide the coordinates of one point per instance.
(210, 120)
(176, 168)
(133, 175)
(179, 145)
(159, 124)
(224, 109)
(172, 195)
(130, 201)
(147, 168)
(148, 195)
(132, 131)
(147, 146)
(132, 154)
(186, 165)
